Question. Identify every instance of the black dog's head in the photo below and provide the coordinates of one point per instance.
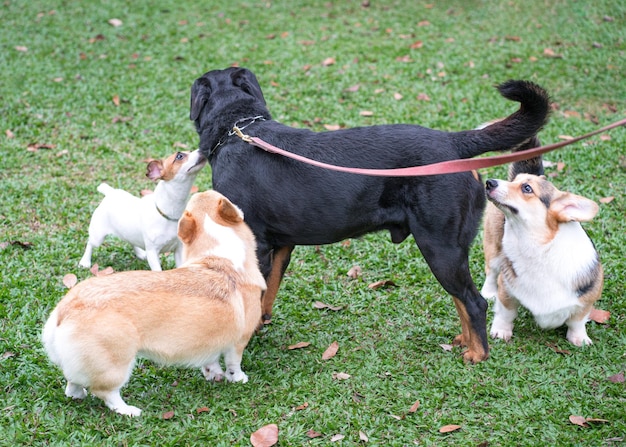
(221, 97)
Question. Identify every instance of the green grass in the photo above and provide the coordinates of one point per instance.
(60, 92)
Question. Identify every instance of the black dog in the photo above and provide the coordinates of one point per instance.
(288, 203)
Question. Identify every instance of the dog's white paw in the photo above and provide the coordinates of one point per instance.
(128, 410)
(501, 333)
(489, 290)
(579, 339)
(75, 391)
(213, 372)
(85, 262)
(233, 375)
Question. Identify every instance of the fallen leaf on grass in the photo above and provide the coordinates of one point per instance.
(337, 437)
(381, 283)
(168, 415)
(265, 436)
(116, 100)
(115, 22)
(354, 88)
(558, 350)
(549, 52)
(302, 407)
(366, 113)
(202, 410)
(446, 347)
(341, 376)
(606, 200)
(417, 44)
(328, 61)
(599, 315)
(7, 355)
(449, 428)
(34, 147)
(9, 134)
(70, 280)
(423, 97)
(414, 407)
(332, 126)
(331, 351)
(355, 272)
(21, 48)
(566, 137)
(320, 305)
(617, 378)
(313, 434)
(299, 345)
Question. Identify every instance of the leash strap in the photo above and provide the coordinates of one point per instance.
(444, 167)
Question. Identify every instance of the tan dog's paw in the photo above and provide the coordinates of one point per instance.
(213, 372)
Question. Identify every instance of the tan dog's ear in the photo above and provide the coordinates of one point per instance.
(154, 169)
(187, 228)
(228, 211)
(569, 207)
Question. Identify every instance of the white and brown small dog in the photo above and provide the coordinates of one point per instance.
(148, 223)
(543, 259)
(187, 316)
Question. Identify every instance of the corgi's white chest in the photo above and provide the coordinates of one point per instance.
(545, 275)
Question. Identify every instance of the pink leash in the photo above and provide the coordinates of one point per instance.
(444, 167)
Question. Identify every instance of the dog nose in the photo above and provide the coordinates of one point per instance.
(491, 184)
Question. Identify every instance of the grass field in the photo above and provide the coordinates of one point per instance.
(84, 101)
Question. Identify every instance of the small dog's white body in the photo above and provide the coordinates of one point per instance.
(188, 316)
(148, 223)
(546, 262)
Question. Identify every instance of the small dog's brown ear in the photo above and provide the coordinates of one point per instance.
(154, 169)
(228, 211)
(187, 228)
(571, 207)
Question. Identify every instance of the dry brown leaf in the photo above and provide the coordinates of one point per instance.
(605, 137)
(21, 48)
(446, 347)
(341, 376)
(381, 283)
(571, 114)
(578, 420)
(366, 113)
(331, 351)
(313, 434)
(265, 436)
(355, 272)
(115, 22)
(549, 52)
(320, 305)
(202, 410)
(423, 97)
(558, 350)
(417, 44)
(116, 100)
(62, 153)
(299, 345)
(302, 407)
(606, 200)
(449, 428)
(168, 415)
(617, 378)
(337, 437)
(423, 23)
(597, 421)
(9, 134)
(354, 88)
(397, 96)
(328, 61)
(560, 166)
(414, 407)
(70, 280)
(332, 126)
(406, 58)
(34, 147)
(566, 137)
(363, 437)
(598, 315)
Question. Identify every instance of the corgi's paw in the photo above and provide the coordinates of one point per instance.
(236, 375)
(213, 372)
(489, 290)
(579, 339)
(503, 333)
(128, 410)
(75, 391)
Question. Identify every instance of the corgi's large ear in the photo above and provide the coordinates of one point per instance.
(154, 169)
(187, 228)
(228, 211)
(569, 207)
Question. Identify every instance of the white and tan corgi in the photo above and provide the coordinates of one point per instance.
(543, 259)
(187, 316)
(148, 223)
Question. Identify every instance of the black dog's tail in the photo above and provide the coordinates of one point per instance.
(518, 129)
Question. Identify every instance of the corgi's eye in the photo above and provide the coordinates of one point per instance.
(527, 189)
(179, 156)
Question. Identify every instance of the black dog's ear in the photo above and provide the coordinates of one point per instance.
(200, 92)
(246, 81)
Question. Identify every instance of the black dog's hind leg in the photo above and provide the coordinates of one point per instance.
(273, 262)
(450, 264)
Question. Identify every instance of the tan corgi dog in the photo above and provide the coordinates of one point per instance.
(187, 316)
(543, 258)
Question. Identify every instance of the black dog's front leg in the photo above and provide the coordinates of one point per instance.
(273, 263)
